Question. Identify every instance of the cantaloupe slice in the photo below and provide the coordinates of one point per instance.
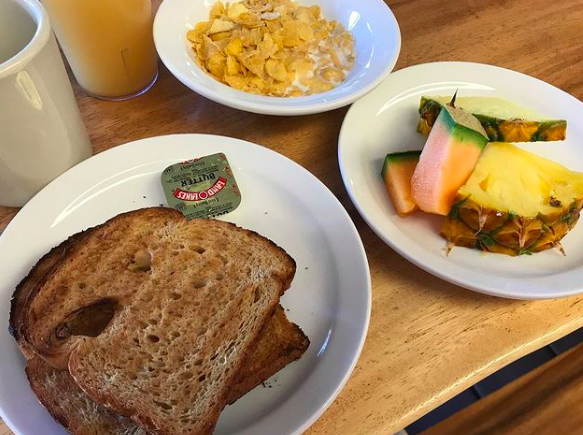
(448, 159)
(397, 172)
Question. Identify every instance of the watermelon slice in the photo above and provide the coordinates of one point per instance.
(448, 159)
(397, 172)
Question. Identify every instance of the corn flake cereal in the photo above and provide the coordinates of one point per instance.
(273, 47)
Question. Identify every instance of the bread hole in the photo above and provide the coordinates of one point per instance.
(199, 283)
(198, 249)
(186, 375)
(143, 325)
(136, 340)
(155, 281)
(198, 362)
(153, 338)
(201, 331)
(175, 253)
(82, 285)
(214, 357)
(181, 246)
(89, 321)
(175, 296)
(175, 334)
(201, 378)
(258, 295)
(220, 276)
(242, 324)
(153, 321)
(163, 405)
(142, 261)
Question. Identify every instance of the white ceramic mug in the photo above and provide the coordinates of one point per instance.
(41, 130)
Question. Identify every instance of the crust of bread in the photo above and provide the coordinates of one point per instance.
(281, 342)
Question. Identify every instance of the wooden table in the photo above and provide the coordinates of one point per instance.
(428, 340)
(546, 401)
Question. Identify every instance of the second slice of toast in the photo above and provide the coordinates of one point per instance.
(280, 343)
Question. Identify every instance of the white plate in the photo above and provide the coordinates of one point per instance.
(329, 298)
(385, 120)
(377, 45)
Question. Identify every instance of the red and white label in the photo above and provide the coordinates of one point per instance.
(183, 195)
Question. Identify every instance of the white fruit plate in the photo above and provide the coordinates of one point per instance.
(329, 298)
(385, 121)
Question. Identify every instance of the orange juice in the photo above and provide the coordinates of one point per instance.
(108, 43)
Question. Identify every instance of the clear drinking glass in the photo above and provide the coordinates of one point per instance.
(108, 43)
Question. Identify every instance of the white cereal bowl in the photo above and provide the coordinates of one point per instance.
(377, 44)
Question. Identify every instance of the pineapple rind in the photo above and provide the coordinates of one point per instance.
(535, 235)
(519, 124)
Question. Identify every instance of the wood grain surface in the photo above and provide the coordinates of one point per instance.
(428, 340)
(546, 401)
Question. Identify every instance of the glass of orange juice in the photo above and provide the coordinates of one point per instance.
(108, 43)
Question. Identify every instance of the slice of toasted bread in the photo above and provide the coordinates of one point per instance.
(280, 343)
(154, 316)
(71, 407)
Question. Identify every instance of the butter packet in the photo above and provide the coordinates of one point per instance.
(201, 188)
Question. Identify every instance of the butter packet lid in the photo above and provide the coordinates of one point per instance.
(201, 188)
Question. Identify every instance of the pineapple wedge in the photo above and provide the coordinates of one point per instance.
(503, 120)
(514, 203)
